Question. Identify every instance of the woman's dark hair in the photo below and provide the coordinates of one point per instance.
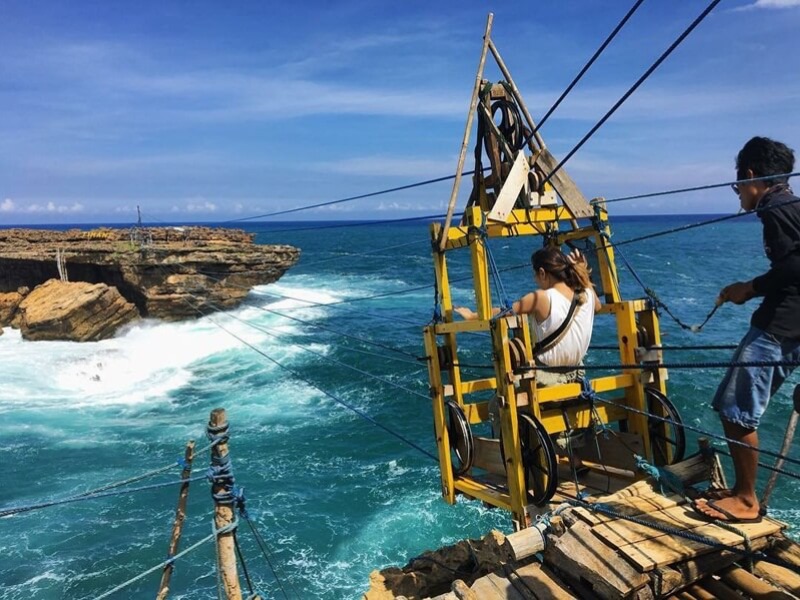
(555, 262)
(765, 157)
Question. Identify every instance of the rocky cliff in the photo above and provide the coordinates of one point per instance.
(169, 273)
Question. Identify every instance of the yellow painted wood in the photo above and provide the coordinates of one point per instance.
(480, 491)
(437, 398)
(478, 385)
(573, 390)
(509, 424)
(605, 256)
(477, 412)
(634, 395)
(462, 327)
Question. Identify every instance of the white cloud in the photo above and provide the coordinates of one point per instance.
(770, 4)
(202, 206)
(9, 206)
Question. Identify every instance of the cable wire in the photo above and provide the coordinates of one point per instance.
(351, 198)
(634, 87)
(586, 67)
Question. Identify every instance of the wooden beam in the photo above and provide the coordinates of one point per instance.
(473, 105)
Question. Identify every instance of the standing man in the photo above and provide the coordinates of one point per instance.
(774, 334)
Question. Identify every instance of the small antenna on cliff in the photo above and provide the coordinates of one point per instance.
(138, 234)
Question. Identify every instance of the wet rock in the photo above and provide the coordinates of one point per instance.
(170, 273)
(9, 302)
(79, 311)
(433, 573)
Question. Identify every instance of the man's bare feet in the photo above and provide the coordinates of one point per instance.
(732, 509)
(713, 494)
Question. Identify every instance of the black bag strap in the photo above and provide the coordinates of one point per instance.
(551, 340)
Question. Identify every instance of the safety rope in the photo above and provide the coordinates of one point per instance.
(351, 255)
(13, 510)
(656, 300)
(349, 224)
(350, 198)
(675, 348)
(332, 360)
(243, 513)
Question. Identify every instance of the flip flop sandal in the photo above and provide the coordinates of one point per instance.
(729, 517)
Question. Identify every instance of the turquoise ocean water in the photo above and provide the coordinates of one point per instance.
(334, 495)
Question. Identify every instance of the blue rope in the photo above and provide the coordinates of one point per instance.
(662, 476)
(13, 510)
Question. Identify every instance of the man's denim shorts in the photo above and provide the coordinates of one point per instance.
(744, 392)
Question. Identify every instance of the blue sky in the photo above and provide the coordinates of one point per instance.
(205, 111)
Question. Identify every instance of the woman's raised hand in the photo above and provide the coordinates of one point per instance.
(575, 257)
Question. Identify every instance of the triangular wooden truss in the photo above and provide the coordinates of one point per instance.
(511, 182)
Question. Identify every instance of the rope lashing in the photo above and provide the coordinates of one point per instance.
(665, 478)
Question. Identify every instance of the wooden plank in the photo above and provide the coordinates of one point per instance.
(545, 584)
(615, 451)
(667, 549)
(693, 469)
(697, 568)
(487, 455)
(565, 186)
(586, 558)
(511, 188)
(493, 587)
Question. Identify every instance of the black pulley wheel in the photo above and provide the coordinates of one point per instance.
(538, 459)
(462, 445)
(665, 436)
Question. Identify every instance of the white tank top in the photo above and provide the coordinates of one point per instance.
(573, 346)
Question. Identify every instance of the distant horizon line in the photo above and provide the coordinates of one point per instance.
(238, 223)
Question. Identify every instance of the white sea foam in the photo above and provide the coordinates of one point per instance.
(147, 361)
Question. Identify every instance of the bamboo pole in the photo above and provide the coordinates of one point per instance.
(785, 447)
(221, 491)
(180, 516)
(473, 105)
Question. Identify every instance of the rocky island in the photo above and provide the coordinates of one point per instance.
(83, 285)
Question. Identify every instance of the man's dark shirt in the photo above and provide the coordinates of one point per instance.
(779, 313)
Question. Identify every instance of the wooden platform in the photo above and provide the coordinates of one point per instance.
(593, 554)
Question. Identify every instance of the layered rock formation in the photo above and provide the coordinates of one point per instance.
(170, 273)
(80, 312)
